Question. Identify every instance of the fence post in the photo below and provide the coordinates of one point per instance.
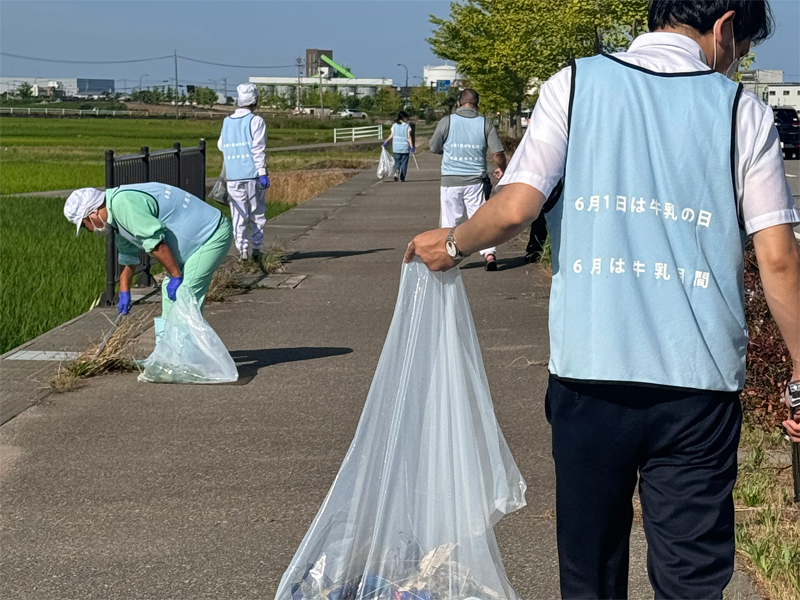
(109, 296)
(146, 161)
(202, 145)
(177, 147)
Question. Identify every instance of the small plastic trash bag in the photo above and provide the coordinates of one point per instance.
(219, 193)
(189, 351)
(385, 164)
(410, 515)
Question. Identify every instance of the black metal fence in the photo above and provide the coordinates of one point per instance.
(182, 167)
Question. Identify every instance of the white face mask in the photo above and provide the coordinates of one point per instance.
(731, 71)
(104, 229)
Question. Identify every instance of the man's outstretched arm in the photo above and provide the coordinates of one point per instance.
(779, 265)
(508, 213)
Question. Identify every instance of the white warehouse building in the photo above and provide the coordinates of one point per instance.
(783, 94)
(285, 86)
(433, 75)
(59, 86)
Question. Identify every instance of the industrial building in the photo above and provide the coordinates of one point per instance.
(59, 86)
(321, 69)
(757, 80)
(441, 77)
(784, 94)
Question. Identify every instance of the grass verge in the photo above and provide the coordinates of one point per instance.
(767, 520)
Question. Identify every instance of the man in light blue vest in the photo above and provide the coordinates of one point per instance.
(668, 166)
(243, 143)
(463, 139)
(189, 237)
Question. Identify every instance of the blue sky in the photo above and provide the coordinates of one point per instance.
(371, 36)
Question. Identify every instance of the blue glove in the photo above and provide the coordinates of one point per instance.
(124, 304)
(386, 142)
(172, 287)
(412, 151)
(264, 181)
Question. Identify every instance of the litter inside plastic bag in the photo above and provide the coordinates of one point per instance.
(189, 350)
(385, 164)
(410, 515)
(219, 193)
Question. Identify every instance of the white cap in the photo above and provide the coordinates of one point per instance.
(247, 94)
(81, 203)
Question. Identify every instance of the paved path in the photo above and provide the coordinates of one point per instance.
(128, 490)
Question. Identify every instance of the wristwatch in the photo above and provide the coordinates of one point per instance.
(794, 396)
(450, 246)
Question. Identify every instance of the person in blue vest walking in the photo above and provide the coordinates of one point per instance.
(463, 139)
(243, 143)
(668, 166)
(402, 144)
(189, 237)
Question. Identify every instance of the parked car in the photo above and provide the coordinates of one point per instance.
(355, 114)
(788, 127)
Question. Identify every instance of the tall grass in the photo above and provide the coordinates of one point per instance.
(47, 275)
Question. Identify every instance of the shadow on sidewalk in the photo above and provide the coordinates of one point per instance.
(503, 264)
(249, 362)
(333, 253)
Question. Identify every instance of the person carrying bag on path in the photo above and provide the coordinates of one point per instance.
(671, 165)
(402, 145)
(463, 138)
(243, 143)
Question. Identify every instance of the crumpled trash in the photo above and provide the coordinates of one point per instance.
(410, 515)
(189, 350)
(385, 164)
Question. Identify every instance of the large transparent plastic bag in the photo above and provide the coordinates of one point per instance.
(385, 164)
(189, 351)
(411, 512)
(219, 193)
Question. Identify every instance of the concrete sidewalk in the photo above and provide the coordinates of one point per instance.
(128, 490)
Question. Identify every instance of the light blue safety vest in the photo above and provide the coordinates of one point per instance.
(465, 148)
(647, 238)
(400, 139)
(189, 221)
(237, 148)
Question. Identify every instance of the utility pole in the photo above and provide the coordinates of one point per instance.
(225, 81)
(177, 97)
(299, 75)
(321, 107)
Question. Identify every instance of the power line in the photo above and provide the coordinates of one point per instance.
(138, 60)
(206, 62)
(85, 62)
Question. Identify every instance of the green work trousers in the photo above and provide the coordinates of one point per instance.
(200, 267)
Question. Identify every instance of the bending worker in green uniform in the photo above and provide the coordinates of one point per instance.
(186, 235)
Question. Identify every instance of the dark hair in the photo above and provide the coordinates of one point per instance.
(753, 18)
(402, 115)
(469, 96)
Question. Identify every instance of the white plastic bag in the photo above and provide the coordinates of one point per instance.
(385, 164)
(219, 193)
(189, 350)
(410, 515)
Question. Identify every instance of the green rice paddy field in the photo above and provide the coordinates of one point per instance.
(47, 275)
(53, 154)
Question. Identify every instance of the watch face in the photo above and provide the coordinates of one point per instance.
(451, 249)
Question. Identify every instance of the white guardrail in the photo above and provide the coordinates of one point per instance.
(351, 134)
(10, 110)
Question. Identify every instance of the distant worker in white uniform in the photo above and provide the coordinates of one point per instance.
(463, 139)
(243, 143)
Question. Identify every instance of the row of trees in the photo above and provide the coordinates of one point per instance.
(203, 96)
(501, 46)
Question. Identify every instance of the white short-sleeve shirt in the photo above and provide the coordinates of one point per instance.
(762, 188)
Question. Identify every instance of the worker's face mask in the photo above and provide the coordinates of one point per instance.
(102, 229)
(730, 73)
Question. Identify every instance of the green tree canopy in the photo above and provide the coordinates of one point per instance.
(501, 46)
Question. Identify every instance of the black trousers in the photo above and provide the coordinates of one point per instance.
(682, 448)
